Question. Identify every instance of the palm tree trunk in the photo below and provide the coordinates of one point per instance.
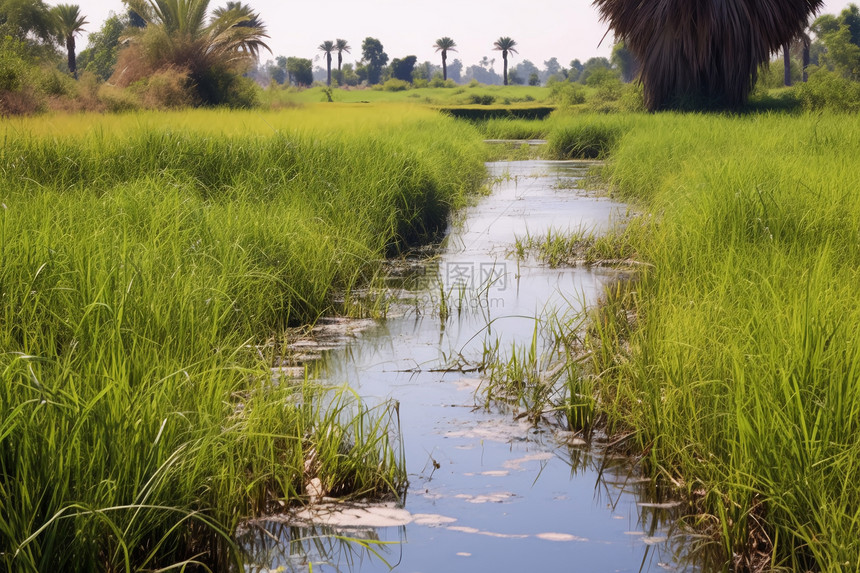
(444, 66)
(786, 59)
(505, 58)
(339, 73)
(70, 48)
(805, 60)
(328, 69)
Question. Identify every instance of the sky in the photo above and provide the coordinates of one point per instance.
(565, 29)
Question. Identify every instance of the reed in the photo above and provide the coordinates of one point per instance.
(732, 358)
(145, 261)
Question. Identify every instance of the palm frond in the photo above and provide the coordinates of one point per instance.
(707, 51)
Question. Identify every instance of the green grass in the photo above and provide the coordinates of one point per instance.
(733, 356)
(460, 95)
(146, 262)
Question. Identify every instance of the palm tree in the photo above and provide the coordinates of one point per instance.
(327, 47)
(69, 22)
(341, 46)
(443, 45)
(177, 35)
(505, 45)
(708, 51)
(253, 19)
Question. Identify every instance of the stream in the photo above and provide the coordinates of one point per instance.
(487, 492)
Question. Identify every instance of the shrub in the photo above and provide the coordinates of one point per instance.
(395, 85)
(829, 90)
(13, 68)
(566, 93)
(479, 99)
(117, 100)
(166, 89)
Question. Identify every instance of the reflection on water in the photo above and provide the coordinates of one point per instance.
(487, 491)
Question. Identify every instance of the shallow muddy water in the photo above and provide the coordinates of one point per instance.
(487, 492)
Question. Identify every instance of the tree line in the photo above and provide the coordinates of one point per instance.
(182, 50)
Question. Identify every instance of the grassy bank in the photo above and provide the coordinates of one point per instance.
(738, 369)
(145, 262)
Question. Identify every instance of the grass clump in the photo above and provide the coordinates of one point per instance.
(543, 380)
(584, 247)
(145, 261)
(585, 138)
(732, 358)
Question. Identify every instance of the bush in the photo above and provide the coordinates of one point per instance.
(13, 68)
(829, 90)
(478, 99)
(438, 82)
(117, 100)
(165, 89)
(420, 83)
(51, 81)
(566, 93)
(395, 85)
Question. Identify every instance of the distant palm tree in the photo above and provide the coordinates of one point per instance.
(341, 46)
(69, 21)
(327, 47)
(443, 45)
(704, 52)
(505, 45)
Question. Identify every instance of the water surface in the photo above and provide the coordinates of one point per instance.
(487, 492)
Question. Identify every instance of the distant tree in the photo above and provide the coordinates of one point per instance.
(505, 45)
(27, 20)
(68, 23)
(402, 69)
(553, 70)
(443, 45)
(575, 69)
(99, 58)
(327, 48)
(482, 75)
(521, 73)
(455, 70)
(840, 52)
(706, 52)
(277, 70)
(534, 79)
(300, 71)
(348, 75)
(426, 71)
(373, 59)
(625, 62)
(591, 65)
(341, 46)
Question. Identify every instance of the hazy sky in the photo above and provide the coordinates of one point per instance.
(566, 29)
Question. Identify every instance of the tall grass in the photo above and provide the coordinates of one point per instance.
(733, 357)
(142, 270)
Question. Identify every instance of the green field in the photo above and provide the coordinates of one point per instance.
(732, 359)
(149, 266)
(151, 263)
(460, 95)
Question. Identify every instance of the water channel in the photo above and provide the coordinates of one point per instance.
(486, 492)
